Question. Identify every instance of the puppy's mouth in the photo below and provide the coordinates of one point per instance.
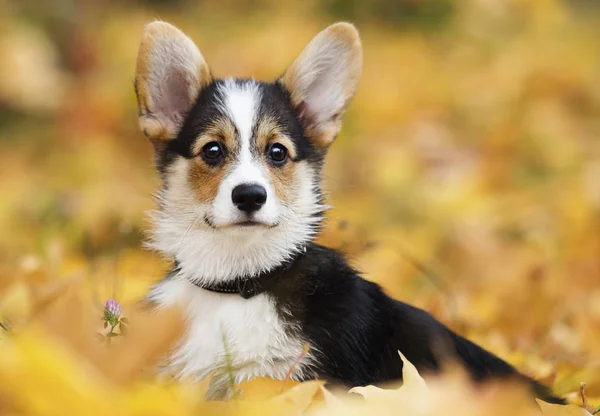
(249, 223)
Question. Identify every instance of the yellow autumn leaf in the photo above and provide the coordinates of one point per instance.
(410, 376)
(56, 381)
(560, 410)
(296, 400)
(262, 388)
(16, 301)
(412, 383)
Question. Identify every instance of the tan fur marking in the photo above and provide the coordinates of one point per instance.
(283, 179)
(269, 132)
(205, 180)
(323, 136)
(221, 130)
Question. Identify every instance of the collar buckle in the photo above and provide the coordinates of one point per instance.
(247, 288)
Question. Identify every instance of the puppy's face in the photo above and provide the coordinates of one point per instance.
(240, 159)
(243, 157)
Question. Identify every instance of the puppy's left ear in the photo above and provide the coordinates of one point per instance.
(323, 80)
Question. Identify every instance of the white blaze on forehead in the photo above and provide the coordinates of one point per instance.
(240, 101)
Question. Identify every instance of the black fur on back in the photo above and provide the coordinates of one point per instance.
(356, 331)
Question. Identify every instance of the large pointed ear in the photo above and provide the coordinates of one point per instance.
(170, 73)
(323, 80)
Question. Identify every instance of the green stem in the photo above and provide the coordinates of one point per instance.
(228, 361)
(112, 328)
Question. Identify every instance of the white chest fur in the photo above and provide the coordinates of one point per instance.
(230, 335)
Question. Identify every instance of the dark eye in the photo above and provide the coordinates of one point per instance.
(277, 153)
(212, 152)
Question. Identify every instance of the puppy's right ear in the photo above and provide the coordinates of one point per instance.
(170, 73)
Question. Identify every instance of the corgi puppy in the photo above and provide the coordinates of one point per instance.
(240, 206)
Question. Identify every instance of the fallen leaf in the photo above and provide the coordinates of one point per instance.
(562, 410)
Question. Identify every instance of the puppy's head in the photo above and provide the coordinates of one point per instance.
(240, 159)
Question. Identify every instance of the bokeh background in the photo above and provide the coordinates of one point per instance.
(466, 179)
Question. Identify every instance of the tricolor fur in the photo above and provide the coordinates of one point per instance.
(241, 198)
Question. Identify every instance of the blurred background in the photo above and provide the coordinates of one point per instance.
(466, 179)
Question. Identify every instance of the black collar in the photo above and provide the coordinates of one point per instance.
(247, 287)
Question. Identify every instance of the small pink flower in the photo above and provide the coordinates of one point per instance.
(113, 307)
(112, 311)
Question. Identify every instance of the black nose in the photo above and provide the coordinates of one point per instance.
(249, 198)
